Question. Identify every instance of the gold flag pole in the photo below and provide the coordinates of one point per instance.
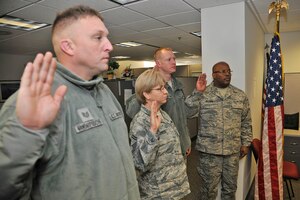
(276, 6)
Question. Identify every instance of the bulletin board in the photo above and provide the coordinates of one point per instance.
(291, 93)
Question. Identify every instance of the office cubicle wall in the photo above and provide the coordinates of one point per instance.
(122, 90)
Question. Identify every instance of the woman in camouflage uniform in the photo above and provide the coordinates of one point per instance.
(155, 143)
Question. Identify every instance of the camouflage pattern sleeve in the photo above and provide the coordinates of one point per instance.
(246, 126)
(144, 144)
(192, 104)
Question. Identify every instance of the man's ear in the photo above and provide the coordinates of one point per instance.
(157, 63)
(67, 46)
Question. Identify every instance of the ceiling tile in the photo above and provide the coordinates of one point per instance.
(7, 6)
(63, 4)
(157, 8)
(145, 25)
(192, 27)
(37, 13)
(154, 22)
(137, 37)
(181, 18)
(121, 15)
(29, 43)
(165, 32)
(210, 3)
(116, 30)
(13, 33)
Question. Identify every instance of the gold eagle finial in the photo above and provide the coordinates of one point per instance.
(276, 6)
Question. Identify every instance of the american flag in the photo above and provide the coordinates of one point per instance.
(269, 183)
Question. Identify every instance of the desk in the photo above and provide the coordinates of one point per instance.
(290, 132)
(291, 146)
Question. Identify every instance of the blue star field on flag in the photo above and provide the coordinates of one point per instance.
(274, 89)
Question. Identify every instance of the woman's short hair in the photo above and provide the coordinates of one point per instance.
(146, 82)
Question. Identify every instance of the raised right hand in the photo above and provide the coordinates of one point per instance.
(155, 119)
(36, 108)
(201, 83)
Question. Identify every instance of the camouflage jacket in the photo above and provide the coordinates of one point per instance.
(157, 158)
(224, 122)
(176, 107)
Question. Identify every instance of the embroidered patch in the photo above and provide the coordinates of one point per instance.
(116, 115)
(87, 125)
(84, 114)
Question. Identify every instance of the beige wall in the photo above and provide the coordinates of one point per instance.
(254, 66)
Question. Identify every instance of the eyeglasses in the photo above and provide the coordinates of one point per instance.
(162, 88)
(224, 71)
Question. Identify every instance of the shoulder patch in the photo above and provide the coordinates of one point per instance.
(116, 115)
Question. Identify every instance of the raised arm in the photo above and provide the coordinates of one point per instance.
(36, 108)
(192, 101)
(144, 139)
(155, 119)
(20, 147)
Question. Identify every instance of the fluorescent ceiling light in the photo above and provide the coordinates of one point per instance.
(129, 44)
(122, 45)
(18, 23)
(123, 2)
(120, 57)
(194, 56)
(175, 52)
(198, 34)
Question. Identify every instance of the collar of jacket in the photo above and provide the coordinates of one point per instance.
(73, 78)
(177, 85)
(145, 110)
(211, 85)
(214, 89)
(164, 115)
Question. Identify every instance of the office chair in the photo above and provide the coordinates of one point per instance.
(290, 169)
(291, 121)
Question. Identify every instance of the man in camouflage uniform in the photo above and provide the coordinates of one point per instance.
(224, 135)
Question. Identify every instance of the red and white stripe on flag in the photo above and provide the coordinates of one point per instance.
(268, 179)
(269, 183)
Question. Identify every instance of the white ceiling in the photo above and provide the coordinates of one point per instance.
(153, 22)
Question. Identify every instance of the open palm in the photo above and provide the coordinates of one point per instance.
(201, 82)
(36, 108)
(155, 119)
